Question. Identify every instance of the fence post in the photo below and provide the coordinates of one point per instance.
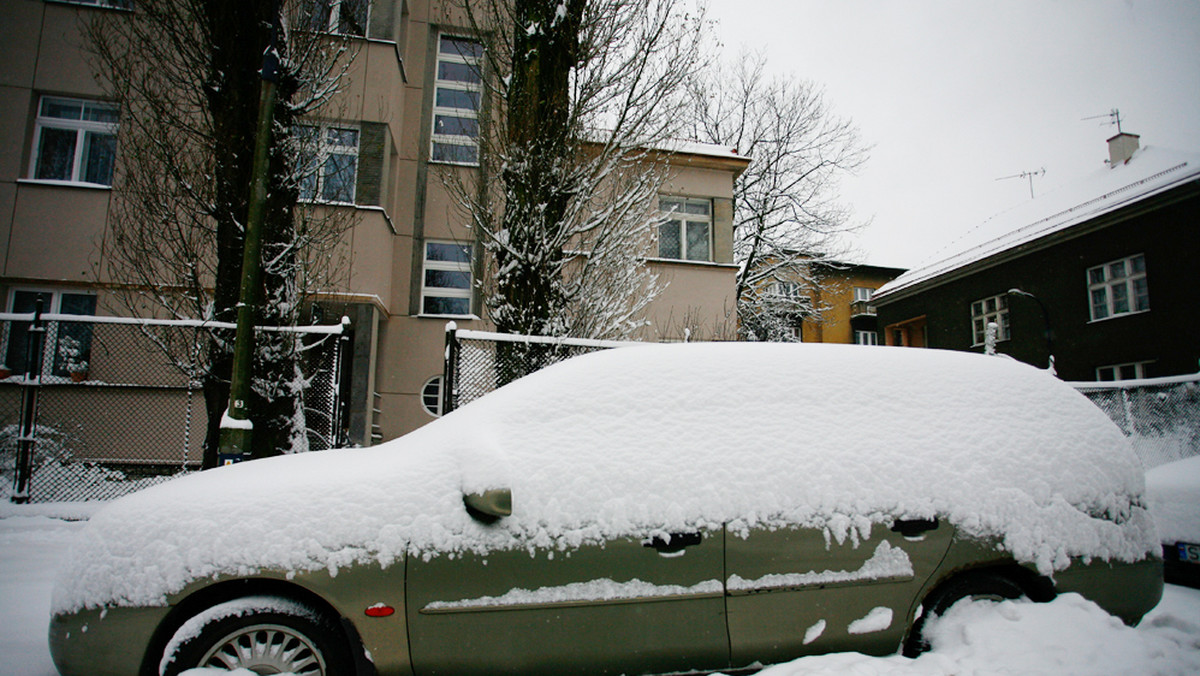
(339, 359)
(1128, 409)
(30, 384)
(450, 368)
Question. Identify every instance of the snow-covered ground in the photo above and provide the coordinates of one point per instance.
(1067, 636)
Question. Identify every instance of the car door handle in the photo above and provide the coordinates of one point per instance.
(674, 543)
(914, 527)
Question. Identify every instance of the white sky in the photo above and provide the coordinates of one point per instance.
(954, 94)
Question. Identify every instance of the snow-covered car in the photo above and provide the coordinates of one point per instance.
(1173, 490)
(645, 509)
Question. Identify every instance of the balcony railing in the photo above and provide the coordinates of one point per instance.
(861, 308)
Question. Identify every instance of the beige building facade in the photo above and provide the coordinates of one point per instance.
(406, 116)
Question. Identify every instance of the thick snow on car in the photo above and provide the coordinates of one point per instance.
(644, 509)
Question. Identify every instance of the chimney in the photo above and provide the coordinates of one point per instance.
(1121, 147)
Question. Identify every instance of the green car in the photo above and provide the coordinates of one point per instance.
(649, 509)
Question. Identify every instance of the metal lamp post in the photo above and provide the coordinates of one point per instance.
(236, 429)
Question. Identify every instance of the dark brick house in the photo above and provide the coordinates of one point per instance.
(1099, 274)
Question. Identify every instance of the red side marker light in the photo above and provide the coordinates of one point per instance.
(380, 610)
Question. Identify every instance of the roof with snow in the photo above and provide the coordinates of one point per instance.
(1151, 171)
(696, 148)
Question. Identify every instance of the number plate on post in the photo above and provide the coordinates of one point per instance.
(1188, 552)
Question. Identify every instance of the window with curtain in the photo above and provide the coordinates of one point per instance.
(74, 141)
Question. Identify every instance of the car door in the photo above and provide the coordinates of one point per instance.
(797, 591)
(630, 606)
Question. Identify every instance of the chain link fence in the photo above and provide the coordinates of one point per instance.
(1160, 416)
(478, 362)
(112, 413)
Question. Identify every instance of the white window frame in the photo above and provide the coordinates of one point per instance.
(786, 290)
(50, 353)
(683, 212)
(438, 138)
(433, 291)
(1110, 288)
(334, 24)
(1138, 367)
(320, 150)
(985, 311)
(863, 293)
(82, 129)
(107, 4)
(431, 396)
(866, 338)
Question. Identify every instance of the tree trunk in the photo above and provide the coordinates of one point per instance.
(240, 32)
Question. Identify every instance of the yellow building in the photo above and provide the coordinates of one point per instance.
(841, 298)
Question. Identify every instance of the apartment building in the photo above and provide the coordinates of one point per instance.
(407, 115)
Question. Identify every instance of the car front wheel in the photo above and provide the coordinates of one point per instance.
(263, 634)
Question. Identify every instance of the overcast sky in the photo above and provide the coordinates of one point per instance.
(955, 94)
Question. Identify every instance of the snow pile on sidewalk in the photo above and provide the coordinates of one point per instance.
(1070, 635)
(658, 439)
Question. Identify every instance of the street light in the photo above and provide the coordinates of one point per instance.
(1049, 332)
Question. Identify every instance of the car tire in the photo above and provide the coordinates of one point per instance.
(975, 586)
(265, 634)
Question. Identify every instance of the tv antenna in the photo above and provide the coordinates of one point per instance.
(1114, 118)
(1026, 174)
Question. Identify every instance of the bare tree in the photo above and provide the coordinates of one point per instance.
(786, 210)
(582, 100)
(186, 74)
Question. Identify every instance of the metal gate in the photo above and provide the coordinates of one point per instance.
(478, 362)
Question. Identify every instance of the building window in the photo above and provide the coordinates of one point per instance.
(687, 235)
(1118, 288)
(861, 305)
(330, 168)
(74, 141)
(866, 338)
(1132, 371)
(344, 17)
(786, 290)
(987, 311)
(431, 396)
(446, 285)
(457, 93)
(68, 345)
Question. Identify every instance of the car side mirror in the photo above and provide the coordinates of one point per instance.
(490, 505)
